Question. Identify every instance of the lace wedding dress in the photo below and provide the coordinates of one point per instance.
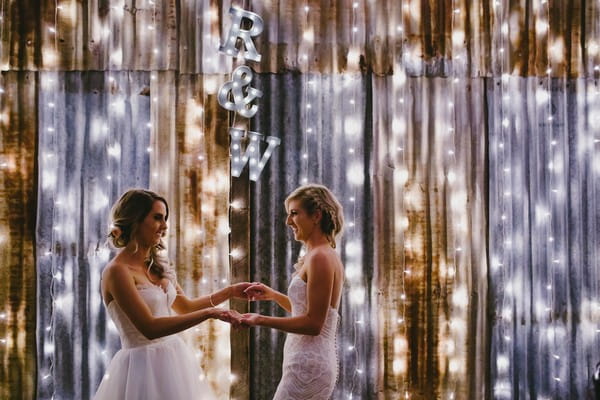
(309, 362)
(145, 369)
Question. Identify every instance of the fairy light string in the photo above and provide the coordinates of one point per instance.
(305, 58)
(500, 262)
(50, 163)
(402, 224)
(353, 127)
(451, 342)
(544, 98)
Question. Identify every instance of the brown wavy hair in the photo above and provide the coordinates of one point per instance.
(315, 197)
(126, 215)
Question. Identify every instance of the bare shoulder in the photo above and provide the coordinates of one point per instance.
(323, 258)
(115, 270)
(324, 253)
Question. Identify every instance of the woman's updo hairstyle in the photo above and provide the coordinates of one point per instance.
(126, 215)
(313, 197)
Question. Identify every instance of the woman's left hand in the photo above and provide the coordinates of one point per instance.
(251, 319)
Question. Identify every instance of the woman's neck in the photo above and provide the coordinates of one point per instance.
(135, 256)
(318, 240)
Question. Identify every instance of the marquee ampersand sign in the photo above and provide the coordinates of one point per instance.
(242, 76)
(237, 95)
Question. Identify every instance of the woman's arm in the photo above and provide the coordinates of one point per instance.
(121, 286)
(184, 304)
(259, 291)
(320, 277)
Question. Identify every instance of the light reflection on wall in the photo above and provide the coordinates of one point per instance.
(211, 237)
(351, 127)
(539, 166)
(203, 254)
(393, 319)
(15, 309)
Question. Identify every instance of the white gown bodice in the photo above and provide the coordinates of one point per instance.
(309, 362)
(297, 295)
(159, 303)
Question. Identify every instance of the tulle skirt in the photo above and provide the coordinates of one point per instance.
(158, 371)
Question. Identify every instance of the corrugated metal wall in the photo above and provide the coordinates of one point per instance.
(462, 137)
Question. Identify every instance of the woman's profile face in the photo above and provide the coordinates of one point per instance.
(298, 219)
(154, 225)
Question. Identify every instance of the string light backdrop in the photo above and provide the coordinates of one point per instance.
(114, 94)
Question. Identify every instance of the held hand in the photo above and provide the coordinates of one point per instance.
(251, 319)
(236, 319)
(238, 290)
(258, 291)
(231, 316)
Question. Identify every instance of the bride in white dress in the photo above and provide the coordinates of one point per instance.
(310, 355)
(148, 308)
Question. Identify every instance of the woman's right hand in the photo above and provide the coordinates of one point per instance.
(231, 316)
(258, 291)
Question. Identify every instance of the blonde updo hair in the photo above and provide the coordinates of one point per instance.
(313, 197)
(126, 215)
